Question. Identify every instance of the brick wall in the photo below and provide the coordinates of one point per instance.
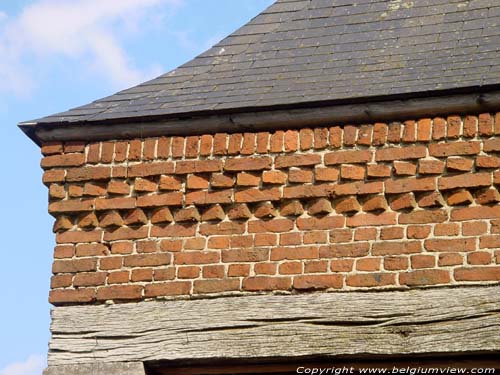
(373, 206)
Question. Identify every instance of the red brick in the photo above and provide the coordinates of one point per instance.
(306, 139)
(352, 172)
(224, 228)
(424, 130)
(174, 230)
(248, 146)
(316, 266)
(423, 217)
(409, 131)
(72, 206)
(347, 205)
(135, 150)
(454, 125)
(464, 181)
(191, 150)
(386, 218)
(296, 160)
(88, 173)
(461, 197)
(449, 259)
(327, 222)
(262, 142)
(150, 169)
(65, 160)
(239, 211)
(60, 281)
(238, 270)
(247, 179)
(350, 132)
(257, 195)
(341, 265)
(206, 144)
(169, 288)
(320, 138)
(164, 274)
(487, 162)
(491, 273)
(438, 128)
(479, 212)
(375, 204)
(88, 250)
(276, 141)
(455, 148)
(287, 239)
(275, 226)
(474, 228)
(368, 264)
(125, 233)
(423, 261)
(110, 263)
(343, 157)
(263, 283)
(196, 257)
(118, 187)
(430, 167)
(395, 263)
(358, 249)
(64, 251)
(290, 268)
(167, 199)
(326, 174)
(245, 255)
(50, 148)
(317, 282)
(213, 213)
(213, 272)
(394, 132)
(400, 153)
(446, 229)
(79, 236)
(197, 182)
(371, 279)
(335, 137)
(197, 166)
(410, 185)
(365, 234)
(479, 258)
(265, 268)
(459, 164)
(291, 140)
(178, 147)
(485, 124)
(489, 242)
(248, 164)
(424, 277)
(470, 126)
(187, 214)
(391, 233)
(188, 272)
(56, 175)
(89, 279)
(216, 286)
(403, 168)
(300, 175)
(74, 266)
(293, 253)
(459, 244)
(265, 239)
(60, 297)
(365, 135)
(418, 231)
(396, 248)
(291, 208)
(379, 134)
(274, 177)
(208, 197)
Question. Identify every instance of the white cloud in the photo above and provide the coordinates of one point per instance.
(34, 365)
(83, 31)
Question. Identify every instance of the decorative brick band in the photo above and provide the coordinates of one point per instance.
(342, 208)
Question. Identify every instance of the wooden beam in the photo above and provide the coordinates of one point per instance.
(98, 368)
(461, 320)
(258, 120)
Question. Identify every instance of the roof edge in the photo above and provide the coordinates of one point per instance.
(264, 120)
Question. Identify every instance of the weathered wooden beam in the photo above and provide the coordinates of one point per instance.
(443, 320)
(98, 368)
(267, 119)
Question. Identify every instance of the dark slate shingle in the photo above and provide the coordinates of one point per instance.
(305, 51)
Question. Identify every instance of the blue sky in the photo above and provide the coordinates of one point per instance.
(55, 55)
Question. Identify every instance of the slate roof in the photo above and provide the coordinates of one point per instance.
(300, 52)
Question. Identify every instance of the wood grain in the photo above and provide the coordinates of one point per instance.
(442, 320)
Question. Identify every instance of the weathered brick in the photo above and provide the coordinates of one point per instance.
(424, 277)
